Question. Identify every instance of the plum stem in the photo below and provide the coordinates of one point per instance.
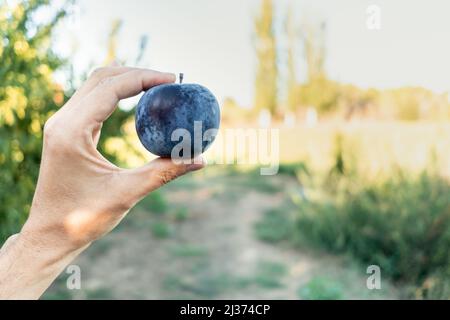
(181, 77)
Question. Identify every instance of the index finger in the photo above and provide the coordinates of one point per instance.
(102, 101)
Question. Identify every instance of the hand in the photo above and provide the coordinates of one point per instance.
(81, 196)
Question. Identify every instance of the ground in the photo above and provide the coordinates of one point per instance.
(200, 241)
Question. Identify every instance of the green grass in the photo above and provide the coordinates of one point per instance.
(203, 286)
(155, 203)
(270, 275)
(59, 290)
(293, 169)
(161, 230)
(181, 214)
(188, 250)
(99, 294)
(100, 247)
(321, 289)
(275, 226)
(400, 223)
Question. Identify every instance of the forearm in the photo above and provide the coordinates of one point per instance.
(28, 266)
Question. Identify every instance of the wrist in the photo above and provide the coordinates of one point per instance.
(47, 245)
(30, 262)
(51, 235)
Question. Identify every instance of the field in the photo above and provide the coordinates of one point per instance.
(201, 242)
(231, 233)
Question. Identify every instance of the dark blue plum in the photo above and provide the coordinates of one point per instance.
(166, 108)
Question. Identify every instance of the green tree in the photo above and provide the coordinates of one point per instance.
(266, 51)
(28, 96)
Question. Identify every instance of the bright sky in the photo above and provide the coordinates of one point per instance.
(211, 40)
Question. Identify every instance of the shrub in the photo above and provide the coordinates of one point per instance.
(28, 97)
(401, 223)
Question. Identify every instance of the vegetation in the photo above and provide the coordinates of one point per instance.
(29, 95)
(274, 227)
(329, 98)
(321, 289)
(401, 224)
(266, 49)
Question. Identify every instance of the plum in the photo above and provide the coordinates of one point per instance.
(177, 120)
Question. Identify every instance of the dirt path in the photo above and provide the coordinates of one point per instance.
(213, 254)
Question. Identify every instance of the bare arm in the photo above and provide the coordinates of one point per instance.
(80, 196)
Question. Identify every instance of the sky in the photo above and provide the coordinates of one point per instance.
(210, 41)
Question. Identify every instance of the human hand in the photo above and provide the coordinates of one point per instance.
(81, 196)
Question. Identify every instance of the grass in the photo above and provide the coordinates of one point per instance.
(269, 274)
(188, 251)
(59, 290)
(321, 289)
(202, 282)
(101, 246)
(204, 286)
(161, 229)
(293, 169)
(275, 226)
(181, 214)
(400, 222)
(99, 294)
(155, 202)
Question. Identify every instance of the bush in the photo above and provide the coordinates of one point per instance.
(28, 97)
(401, 224)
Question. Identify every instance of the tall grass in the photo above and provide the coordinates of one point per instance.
(400, 222)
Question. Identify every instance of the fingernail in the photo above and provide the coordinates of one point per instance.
(197, 164)
(173, 76)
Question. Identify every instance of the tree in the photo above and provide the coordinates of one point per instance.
(112, 41)
(314, 46)
(28, 97)
(292, 85)
(266, 51)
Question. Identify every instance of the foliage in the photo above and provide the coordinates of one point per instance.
(401, 223)
(313, 36)
(415, 103)
(28, 97)
(320, 93)
(231, 112)
(291, 84)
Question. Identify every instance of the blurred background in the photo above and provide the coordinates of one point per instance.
(359, 91)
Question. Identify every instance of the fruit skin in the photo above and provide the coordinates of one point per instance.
(168, 107)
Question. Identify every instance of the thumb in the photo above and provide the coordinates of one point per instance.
(157, 173)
